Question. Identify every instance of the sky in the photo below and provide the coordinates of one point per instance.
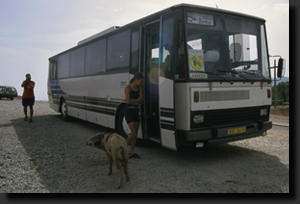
(32, 31)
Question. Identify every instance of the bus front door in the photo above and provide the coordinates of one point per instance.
(156, 110)
(150, 115)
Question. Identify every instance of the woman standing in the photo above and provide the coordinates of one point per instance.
(133, 98)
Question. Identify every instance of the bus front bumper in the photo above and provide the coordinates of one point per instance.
(223, 134)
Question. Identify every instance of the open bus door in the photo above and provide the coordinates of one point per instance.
(150, 114)
(158, 110)
(166, 82)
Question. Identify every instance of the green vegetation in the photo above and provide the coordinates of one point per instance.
(282, 93)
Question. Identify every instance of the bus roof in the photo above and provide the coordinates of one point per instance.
(111, 29)
(172, 8)
(204, 8)
(222, 11)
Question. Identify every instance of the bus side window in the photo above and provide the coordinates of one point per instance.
(95, 59)
(63, 66)
(52, 70)
(118, 51)
(55, 70)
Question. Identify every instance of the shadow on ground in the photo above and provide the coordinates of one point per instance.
(66, 164)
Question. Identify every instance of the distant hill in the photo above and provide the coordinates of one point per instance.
(283, 79)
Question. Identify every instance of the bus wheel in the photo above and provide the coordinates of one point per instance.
(122, 125)
(64, 110)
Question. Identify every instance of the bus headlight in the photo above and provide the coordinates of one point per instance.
(198, 119)
(263, 112)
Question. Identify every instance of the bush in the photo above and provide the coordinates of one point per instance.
(282, 92)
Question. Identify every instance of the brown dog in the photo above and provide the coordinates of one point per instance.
(115, 147)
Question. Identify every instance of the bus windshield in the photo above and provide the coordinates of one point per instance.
(225, 48)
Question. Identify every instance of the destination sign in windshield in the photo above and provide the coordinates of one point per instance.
(200, 19)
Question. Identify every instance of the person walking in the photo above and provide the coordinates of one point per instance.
(134, 99)
(28, 97)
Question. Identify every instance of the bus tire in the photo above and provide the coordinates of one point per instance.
(122, 126)
(64, 110)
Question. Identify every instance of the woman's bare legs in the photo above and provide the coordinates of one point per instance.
(134, 126)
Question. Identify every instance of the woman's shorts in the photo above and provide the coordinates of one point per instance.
(132, 114)
(27, 101)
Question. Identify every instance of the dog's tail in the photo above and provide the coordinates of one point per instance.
(121, 153)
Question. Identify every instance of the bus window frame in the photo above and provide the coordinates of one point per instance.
(133, 30)
(111, 48)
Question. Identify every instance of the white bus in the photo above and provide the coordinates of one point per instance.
(207, 77)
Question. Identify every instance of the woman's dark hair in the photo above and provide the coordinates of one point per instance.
(137, 76)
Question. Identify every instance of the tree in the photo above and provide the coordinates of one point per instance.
(282, 92)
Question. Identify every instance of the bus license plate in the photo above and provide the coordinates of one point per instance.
(236, 130)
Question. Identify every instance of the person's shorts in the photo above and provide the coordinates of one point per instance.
(27, 101)
(132, 114)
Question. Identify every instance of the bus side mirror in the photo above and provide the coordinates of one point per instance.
(281, 68)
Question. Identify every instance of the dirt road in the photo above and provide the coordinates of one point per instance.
(50, 155)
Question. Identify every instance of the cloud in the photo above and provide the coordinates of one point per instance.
(281, 8)
(265, 7)
(118, 9)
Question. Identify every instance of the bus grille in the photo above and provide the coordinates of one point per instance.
(225, 117)
(238, 115)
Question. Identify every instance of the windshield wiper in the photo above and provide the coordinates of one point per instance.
(233, 72)
(256, 73)
(246, 64)
(216, 75)
(224, 78)
(228, 71)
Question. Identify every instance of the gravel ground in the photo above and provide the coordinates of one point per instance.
(50, 156)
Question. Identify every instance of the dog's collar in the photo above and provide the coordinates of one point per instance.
(108, 137)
